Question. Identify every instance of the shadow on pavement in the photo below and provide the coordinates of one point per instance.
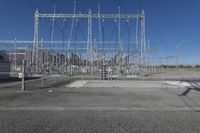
(194, 86)
(15, 79)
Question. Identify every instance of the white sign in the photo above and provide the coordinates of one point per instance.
(109, 69)
(83, 70)
(20, 75)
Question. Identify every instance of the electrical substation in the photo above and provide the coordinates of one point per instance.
(101, 54)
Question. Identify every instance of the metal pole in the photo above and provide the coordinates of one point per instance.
(42, 75)
(177, 56)
(23, 75)
(143, 43)
(89, 45)
(15, 58)
(35, 56)
(128, 21)
(119, 36)
(50, 73)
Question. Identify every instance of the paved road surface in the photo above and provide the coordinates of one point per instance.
(111, 106)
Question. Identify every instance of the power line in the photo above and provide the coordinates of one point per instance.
(81, 31)
(56, 5)
(124, 29)
(140, 5)
(31, 4)
(119, 2)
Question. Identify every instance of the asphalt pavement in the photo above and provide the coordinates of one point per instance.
(89, 106)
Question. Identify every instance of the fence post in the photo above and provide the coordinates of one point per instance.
(23, 75)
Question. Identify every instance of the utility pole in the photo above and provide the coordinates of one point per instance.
(137, 42)
(159, 57)
(119, 37)
(35, 56)
(23, 75)
(70, 36)
(143, 43)
(103, 40)
(42, 74)
(128, 59)
(177, 56)
(15, 58)
(89, 46)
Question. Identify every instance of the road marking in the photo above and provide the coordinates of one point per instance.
(181, 84)
(77, 84)
(101, 109)
(177, 83)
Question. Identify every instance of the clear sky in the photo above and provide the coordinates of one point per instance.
(168, 22)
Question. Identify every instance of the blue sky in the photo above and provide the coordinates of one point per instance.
(168, 22)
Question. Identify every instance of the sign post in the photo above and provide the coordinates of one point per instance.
(22, 76)
(42, 75)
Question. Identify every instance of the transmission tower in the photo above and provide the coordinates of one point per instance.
(89, 45)
(35, 56)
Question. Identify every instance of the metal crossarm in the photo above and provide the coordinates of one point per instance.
(93, 16)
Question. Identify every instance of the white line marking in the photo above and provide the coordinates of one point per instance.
(79, 83)
(178, 83)
(100, 109)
